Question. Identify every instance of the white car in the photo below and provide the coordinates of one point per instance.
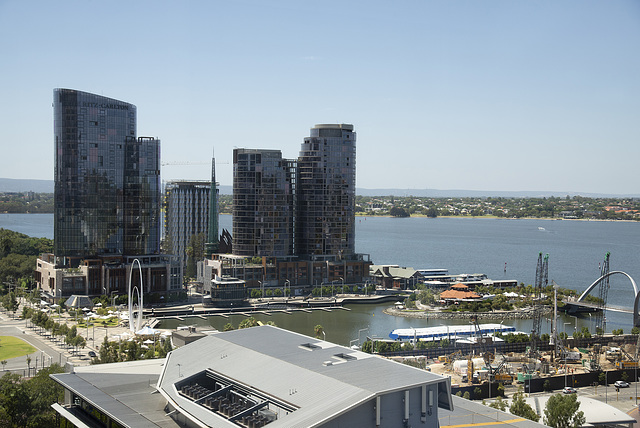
(621, 384)
(569, 390)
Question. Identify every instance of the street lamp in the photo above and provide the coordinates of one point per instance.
(332, 283)
(261, 290)
(564, 330)
(359, 331)
(576, 327)
(342, 285)
(285, 287)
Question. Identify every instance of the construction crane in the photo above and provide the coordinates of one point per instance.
(542, 280)
(603, 291)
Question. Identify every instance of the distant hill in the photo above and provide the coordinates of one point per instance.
(26, 185)
(46, 186)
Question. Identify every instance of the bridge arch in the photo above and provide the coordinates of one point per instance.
(636, 316)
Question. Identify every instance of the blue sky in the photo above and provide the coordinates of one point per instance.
(478, 95)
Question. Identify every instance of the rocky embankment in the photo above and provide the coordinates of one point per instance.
(522, 314)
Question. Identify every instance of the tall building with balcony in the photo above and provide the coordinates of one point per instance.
(325, 192)
(262, 203)
(107, 200)
(294, 220)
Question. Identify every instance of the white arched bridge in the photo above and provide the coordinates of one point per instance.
(581, 300)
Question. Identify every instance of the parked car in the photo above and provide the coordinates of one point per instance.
(568, 390)
(621, 384)
(92, 354)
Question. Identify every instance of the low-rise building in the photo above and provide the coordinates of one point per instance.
(106, 275)
(255, 377)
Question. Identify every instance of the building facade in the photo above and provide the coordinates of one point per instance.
(107, 181)
(186, 215)
(107, 195)
(262, 203)
(294, 220)
(326, 191)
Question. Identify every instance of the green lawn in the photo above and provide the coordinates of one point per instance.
(11, 347)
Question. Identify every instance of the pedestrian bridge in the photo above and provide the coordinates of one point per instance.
(636, 316)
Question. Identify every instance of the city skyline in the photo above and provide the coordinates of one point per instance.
(492, 96)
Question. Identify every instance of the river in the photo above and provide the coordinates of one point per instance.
(462, 245)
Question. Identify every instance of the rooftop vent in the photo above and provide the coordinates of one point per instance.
(309, 347)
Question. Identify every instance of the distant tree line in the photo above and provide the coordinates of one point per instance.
(18, 254)
(27, 202)
(576, 207)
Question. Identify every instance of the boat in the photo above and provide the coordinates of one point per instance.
(448, 332)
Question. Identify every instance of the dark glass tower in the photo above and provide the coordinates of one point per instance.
(107, 181)
(326, 191)
(262, 203)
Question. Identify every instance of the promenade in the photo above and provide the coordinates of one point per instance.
(51, 349)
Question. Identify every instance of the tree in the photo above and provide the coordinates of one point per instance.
(318, 331)
(519, 407)
(248, 322)
(27, 402)
(228, 327)
(14, 401)
(477, 392)
(4, 363)
(195, 253)
(466, 395)
(398, 212)
(499, 404)
(561, 411)
(602, 378)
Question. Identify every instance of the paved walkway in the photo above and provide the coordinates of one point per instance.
(52, 349)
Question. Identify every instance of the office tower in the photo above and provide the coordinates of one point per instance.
(107, 181)
(262, 203)
(107, 202)
(187, 205)
(325, 192)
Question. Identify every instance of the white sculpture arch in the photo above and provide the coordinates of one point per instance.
(135, 322)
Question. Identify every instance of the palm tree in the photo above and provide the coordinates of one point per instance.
(4, 363)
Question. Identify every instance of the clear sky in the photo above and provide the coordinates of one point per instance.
(478, 95)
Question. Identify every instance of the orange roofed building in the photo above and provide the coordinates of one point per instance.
(459, 292)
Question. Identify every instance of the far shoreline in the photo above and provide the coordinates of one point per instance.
(492, 217)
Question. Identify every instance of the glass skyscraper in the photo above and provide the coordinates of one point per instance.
(262, 203)
(326, 192)
(107, 180)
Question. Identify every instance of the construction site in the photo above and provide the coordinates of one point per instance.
(486, 361)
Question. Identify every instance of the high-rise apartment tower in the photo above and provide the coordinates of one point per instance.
(325, 192)
(186, 214)
(262, 203)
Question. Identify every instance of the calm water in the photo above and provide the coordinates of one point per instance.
(464, 245)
